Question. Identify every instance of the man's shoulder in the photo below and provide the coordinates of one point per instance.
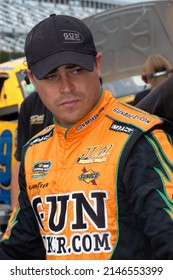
(125, 113)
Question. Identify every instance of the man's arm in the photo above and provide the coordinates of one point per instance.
(22, 239)
(148, 183)
(14, 184)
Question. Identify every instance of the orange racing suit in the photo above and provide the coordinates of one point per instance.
(100, 189)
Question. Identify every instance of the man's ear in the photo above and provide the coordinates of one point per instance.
(98, 62)
(30, 75)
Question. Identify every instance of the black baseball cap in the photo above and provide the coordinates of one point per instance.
(56, 41)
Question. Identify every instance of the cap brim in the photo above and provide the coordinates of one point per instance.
(43, 67)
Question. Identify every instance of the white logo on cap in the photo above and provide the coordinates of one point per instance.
(72, 36)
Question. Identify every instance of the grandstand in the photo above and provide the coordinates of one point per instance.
(17, 17)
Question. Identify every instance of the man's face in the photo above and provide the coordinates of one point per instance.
(69, 91)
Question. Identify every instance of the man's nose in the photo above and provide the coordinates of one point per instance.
(66, 84)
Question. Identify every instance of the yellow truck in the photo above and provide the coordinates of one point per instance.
(14, 87)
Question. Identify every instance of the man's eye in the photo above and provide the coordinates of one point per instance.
(51, 77)
(77, 70)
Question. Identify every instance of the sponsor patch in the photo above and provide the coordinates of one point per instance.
(89, 176)
(36, 119)
(121, 128)
(41, 138)
(130, 116)
(40, 185)
(41, 168)
(87, 122)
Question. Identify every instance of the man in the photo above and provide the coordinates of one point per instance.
(33, 117)
(98, 184)
(159, 101)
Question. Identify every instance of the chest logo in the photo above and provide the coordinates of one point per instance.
(95, 154)
(89, 176)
